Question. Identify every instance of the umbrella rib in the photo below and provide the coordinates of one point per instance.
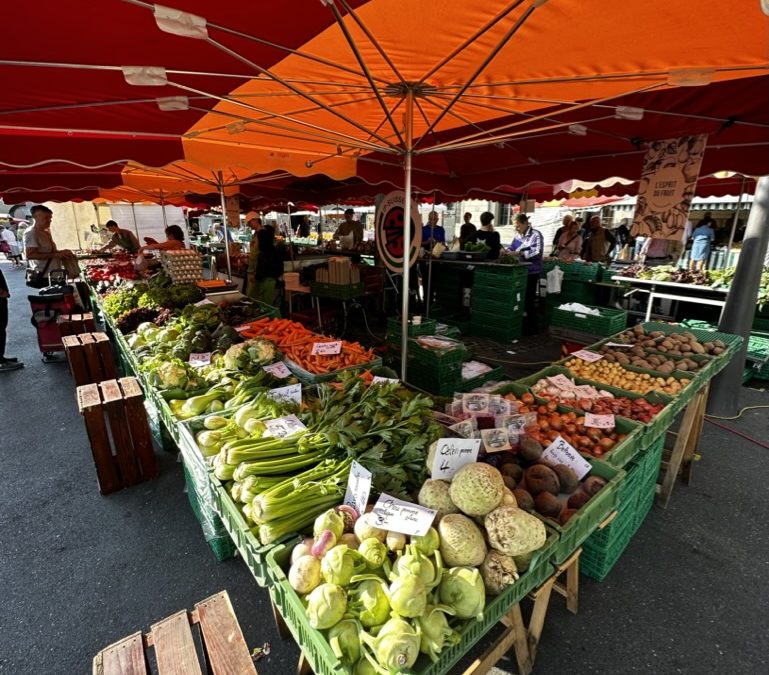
(489, 58)
(348, 139)
(69, 130)
(452, 144)
(61, 160)
(706, 118)
(369, 35)
(261, 41)
(75, 106)
(362, 63)
(469, 41)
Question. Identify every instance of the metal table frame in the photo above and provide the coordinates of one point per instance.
(651, 289)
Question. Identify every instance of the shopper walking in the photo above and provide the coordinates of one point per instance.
(10, 245)
(702, 238)
(569, 245)
(528, 245)
(6, 362)
(599, 243)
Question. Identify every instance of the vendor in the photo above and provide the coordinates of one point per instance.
(433, 233)
(267, 269)
(488, 236)
(43, 257)
(125, 239)
(304, 228)
(350, 229)
(569, 245)
(174, 241)
(528, 245)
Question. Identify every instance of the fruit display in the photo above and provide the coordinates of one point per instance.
(647, 358)
(638, 409)
(550, 424)
(675, 344)
(111, 272)
(620, 377)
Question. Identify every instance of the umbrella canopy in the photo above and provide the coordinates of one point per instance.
(504, 92)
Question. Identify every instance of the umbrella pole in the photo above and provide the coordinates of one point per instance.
(226, 227)
(409, 119)
(734, 224)
(737, 316)
(133, 214)
(77, 229)
(288, 232)
(163, 209)
(430, 265)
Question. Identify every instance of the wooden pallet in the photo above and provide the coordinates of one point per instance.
(120, 436)
(74, 324)
(173, 639)
(90, 358)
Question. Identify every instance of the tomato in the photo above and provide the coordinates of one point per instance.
(552, 406)
(527, 398)
(542, 410)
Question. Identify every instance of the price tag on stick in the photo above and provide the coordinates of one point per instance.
(284, 426)
(326, 348)
(599, 421)
(585, 355)
(453, 453)
(399, 516)
(561, 381)
(358, 487)
(200, 360)
(279, 369)
(384, 380)
(561, 452)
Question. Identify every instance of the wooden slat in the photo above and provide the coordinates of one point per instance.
(70, 340)
(92, 358)
(141, 435)
(224, 642)
(86, 338)
(107, 367)
(106, 468)
(130, 387)
(121, 434)
(174, 646)
(122, 658)
(88, 396)
(110, 391)
(76, 360)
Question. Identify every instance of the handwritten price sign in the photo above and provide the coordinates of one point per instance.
(590, 357)
(358, 487)
(399, 516)
(453, 453)
(561, 381)
(292, 393)
(279, 370)
(200, 360)
(561, 452)
(326, 348)
(599, 421)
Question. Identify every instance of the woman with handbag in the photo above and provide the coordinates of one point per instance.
(569, 244)
(43, 258)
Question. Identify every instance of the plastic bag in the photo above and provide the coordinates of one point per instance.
(554, 279)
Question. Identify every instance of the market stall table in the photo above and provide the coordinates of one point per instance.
(678, 292)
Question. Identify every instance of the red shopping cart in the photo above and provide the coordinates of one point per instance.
(47, 306)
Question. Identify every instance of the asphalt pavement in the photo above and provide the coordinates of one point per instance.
(80, 570)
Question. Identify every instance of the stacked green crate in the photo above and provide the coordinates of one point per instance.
(438, 371)
(446, 283)
(602, 550)
(498, 299)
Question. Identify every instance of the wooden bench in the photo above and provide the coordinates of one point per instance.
(90, 357)
(173, 639)
(74, 324)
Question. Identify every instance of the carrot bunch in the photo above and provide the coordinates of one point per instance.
(296, 341)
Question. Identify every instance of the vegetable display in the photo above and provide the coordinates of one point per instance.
(618, 376)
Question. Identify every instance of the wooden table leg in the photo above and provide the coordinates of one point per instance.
(280, 624)
(682, 440)
(572, 586)
(694, 436)
(513, 636)
(303, 667)
(537, 621)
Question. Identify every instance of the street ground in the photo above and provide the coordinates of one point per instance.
(81, 570)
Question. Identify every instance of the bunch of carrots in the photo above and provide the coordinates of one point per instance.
(295, 341)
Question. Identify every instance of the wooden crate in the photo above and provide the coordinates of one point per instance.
(74, 324)
(173, 640)
(120, 436)
(90, 357)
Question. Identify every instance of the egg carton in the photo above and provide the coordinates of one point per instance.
(183, 266)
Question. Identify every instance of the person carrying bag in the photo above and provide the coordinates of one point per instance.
(43, 257)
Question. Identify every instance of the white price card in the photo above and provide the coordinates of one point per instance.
(293, 393)
(498, 405)
(278, 369)
(513, 424)
(384, 380)
(619, 344)
(243, 328)
(204, 301)
(586, 391)
(475, 404)
(464, 429)
(585, 355)
(284, 426)
(561, 452)
(495, 440)
(358, 487)
(326, 348)
(453, 453)
(404, 517)
(561, 381)
(200, 360)
(599, 421)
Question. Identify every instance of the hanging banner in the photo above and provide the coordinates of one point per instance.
(389, 231)
(668, 182)
(233, 212)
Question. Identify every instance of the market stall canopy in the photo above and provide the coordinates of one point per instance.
(507, 92)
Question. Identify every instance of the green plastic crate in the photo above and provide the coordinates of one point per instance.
(337, 291)
(425, 327)
(498, 334)
(441, 381)
(317, 651)
(732, 342)
(495, 319)
(497, 305)
(577, 291)
(445, 330)
(758, 348)
(501, 271)
(596, 561)
(474, 382)
(591, 515)
(454, 353)
(213, 529)
(609, 321)
(761, 323)
(307, 377)
(575, 271)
